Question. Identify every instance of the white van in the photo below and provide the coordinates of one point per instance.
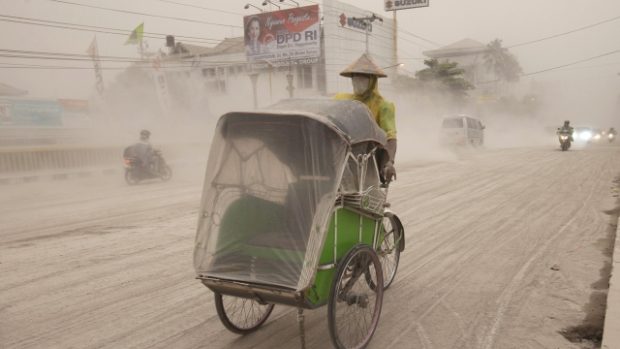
(461, 130)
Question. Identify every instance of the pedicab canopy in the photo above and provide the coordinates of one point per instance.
(270, 187)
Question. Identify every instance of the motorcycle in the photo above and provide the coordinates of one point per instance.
(611, 137)
(136, 172)
(564, 141)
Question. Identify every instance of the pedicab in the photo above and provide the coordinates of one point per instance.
(294, 213)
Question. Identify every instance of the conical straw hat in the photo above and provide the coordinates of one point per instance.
(364, 65)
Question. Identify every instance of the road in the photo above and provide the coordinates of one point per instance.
(506, 248)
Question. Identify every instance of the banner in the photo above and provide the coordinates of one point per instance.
(30, 112)
(395, 5)
(93, 52)
(286, 35)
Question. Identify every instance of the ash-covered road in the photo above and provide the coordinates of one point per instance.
(505, 249)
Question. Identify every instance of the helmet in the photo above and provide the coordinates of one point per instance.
(566, 122)
(364, 65)
(145, 134)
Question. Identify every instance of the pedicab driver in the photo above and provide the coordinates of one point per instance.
(364, 74)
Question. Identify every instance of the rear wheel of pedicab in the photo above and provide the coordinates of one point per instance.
(354, 305)
(241, 315)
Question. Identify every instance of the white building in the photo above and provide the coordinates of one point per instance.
(221, 78)
(469, 54)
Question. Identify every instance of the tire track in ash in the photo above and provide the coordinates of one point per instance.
(512, 287)
(469, 253)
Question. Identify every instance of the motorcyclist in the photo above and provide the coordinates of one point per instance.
(143, 151)
(612, 131)
(566, 129)
(364, 74)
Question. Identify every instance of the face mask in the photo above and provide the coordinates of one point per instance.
(360, 84)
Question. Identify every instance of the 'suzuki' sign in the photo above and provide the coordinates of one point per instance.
(395, 5)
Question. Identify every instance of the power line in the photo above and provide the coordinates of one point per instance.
(400, 29)
(219, 24)
(58, 54)
(180, 66)
(573, 63)
(420, 37)
(91, 28)
(201, 7)
(594, 66)
(53, 67)
(566, 33)
(559, 66)
(147, 14)
(77, 59)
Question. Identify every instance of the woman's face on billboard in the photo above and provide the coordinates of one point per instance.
(254, 30)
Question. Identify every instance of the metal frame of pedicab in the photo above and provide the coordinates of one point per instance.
(367, 206)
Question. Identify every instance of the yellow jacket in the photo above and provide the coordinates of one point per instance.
(382, 110)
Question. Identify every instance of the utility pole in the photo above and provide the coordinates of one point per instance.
(395, 37)
(254, 79)
(368, 25)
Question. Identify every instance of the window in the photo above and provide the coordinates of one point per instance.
(474, 124)
(208, 72)
(304, 76)
(453, 123)
(372, 174)
(350, 177)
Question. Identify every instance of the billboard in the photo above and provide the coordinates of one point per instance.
(30, 112)
(395, 5)
(287, 35)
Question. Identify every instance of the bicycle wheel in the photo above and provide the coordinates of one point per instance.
(389, 251)
(354, 305)
(241, 315)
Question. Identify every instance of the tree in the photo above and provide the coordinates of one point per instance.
(444, 77)
(498, 60)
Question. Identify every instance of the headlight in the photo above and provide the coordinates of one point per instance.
(563, 138)
(585, 135)
(610, 135)
(597, 136)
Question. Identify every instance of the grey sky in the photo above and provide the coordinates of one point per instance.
(445, 22)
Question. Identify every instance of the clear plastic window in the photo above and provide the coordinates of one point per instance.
(372, 174)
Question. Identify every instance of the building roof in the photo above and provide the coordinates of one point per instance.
(230, 45)
(226, 46)
(7, 90)
(460, 48)
(192, 50)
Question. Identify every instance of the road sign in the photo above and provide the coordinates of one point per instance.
(395, 5)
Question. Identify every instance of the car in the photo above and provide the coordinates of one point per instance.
(462, 129)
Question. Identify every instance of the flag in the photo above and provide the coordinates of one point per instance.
(93, 52)
(92, 49)
(136, 35)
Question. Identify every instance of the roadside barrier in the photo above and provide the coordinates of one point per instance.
(31, 159)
